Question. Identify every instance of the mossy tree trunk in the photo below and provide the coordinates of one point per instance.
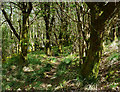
(49, 24)
(60, 42)
(47, 46)
(91, 66)
(24, 33)
(24, 38)
(46, 18)
(26, 8)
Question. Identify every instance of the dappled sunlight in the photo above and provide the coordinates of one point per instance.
(60, 46)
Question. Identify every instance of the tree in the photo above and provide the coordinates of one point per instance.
(26, 8)
(63, 35)
(48, 23)
(99, 14)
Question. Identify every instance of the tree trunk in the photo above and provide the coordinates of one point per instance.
(48, 48)
(60, 40)
(24, 34)
(79, 28)
(63, 29)
(91, 66)
(48, 25)
(119, 32)
(24, 38)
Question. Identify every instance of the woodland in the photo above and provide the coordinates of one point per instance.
(60, 46)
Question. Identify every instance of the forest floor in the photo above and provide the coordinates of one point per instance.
(61, 73)
(110, 67)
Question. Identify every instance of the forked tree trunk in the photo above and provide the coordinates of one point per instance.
(91, 66)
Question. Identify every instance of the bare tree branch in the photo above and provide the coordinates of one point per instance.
(9, 22)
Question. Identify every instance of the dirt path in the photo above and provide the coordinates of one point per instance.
(50, 77)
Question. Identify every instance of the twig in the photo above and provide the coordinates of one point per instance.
(32, 21)
(3, 22)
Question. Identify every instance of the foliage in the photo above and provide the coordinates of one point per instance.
(44, 44)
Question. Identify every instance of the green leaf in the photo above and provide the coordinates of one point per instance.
(73, 5)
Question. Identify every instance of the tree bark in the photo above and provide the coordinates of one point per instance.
(48, 23)
(91, 66)
(92, 61)
(24, 34)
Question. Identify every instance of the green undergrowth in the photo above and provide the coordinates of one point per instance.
(111, 67)
(114, 57)
(66, 51)
(33, 76)
(15, 77)
(38, 75)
